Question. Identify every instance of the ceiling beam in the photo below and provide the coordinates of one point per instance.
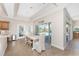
(3, 8)
(16, 8)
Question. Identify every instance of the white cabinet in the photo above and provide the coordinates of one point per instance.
(39, 44)
(3, 44)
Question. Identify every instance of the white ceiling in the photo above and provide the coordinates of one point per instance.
(28, 10)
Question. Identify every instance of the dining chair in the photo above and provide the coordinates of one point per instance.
(28, 42)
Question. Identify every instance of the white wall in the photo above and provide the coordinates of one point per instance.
(14, 27)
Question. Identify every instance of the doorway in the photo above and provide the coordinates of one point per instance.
(46, 29)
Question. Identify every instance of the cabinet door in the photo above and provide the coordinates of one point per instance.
(5, 25)
(0, 24)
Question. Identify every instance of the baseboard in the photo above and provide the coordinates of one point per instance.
(61, 48)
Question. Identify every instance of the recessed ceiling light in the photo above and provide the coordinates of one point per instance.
(31, 7)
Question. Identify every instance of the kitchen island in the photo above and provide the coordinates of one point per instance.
(3, 44)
